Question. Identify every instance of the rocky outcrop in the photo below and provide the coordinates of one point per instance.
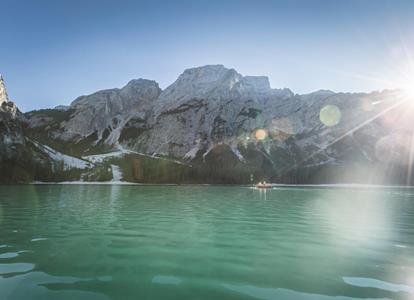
(11, 135)
(15, 156)
(3, 92)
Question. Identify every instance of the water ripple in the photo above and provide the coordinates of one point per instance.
(190, 242)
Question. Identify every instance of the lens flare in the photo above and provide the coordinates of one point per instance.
(260, 134)
(330, 115)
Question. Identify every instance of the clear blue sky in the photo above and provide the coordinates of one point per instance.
(55, 50)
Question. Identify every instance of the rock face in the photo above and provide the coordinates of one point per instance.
(213, 105)
(11, 135)
(105, 112)
(94, 119)
(204, 107)
(236, 128)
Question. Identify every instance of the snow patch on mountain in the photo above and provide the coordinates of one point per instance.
(69, 162)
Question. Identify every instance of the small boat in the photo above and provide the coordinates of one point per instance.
(263, 185)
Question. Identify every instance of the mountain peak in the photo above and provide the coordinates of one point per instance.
(206, 68)
(256, 84)
(208, 74)
(140, 89)
(213, 81)
(3, 92)
(140, 83)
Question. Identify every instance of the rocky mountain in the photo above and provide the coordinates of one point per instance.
(204, 107)
(215, 125)
(25, 159)
(100, 115)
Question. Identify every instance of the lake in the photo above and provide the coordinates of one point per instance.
(205, 242)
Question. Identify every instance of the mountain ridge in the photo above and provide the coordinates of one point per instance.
(230, 128)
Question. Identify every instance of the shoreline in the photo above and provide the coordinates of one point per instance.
(274, 185)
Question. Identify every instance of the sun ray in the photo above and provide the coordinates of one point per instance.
(410, 160)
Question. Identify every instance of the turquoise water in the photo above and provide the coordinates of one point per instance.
(205, 242)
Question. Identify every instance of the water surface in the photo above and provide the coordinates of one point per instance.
(205, 242)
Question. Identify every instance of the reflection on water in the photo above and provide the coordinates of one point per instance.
(39, 285)
(166, 279)
(192, 242)
(378, 284)
(280, 293)
(15, 268)
(9, 255)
